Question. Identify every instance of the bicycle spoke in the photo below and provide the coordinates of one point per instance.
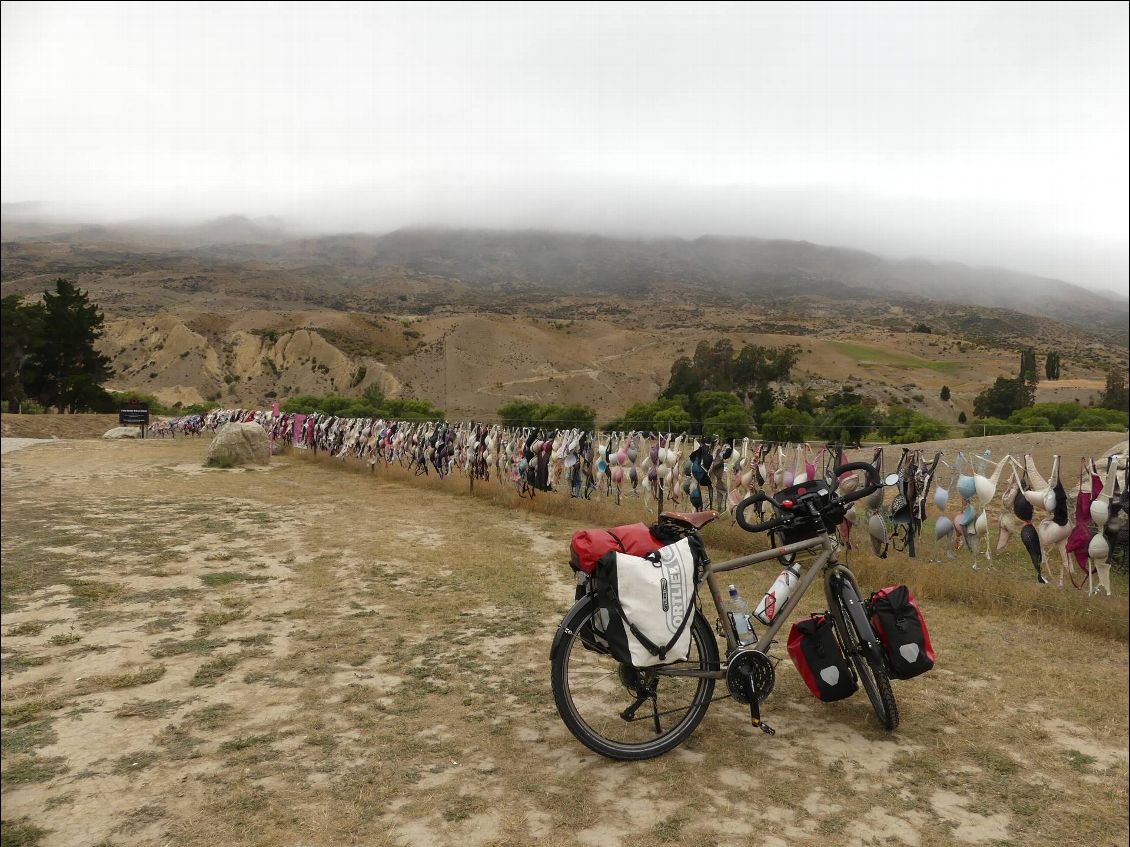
(594, 693)
(595, 682)
(665, 712)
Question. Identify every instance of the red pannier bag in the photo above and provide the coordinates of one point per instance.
(901, 629)
(588, 545)
(816, 652)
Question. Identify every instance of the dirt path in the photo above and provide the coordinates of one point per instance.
(307, 655)
(11, 445)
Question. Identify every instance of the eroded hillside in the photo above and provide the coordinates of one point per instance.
(470, 363)
(478, 319)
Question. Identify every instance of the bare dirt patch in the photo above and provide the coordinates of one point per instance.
(366, 680)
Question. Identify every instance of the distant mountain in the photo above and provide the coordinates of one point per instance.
(733, 266)
(747, 269)
(145, 234)
(240, 310)
(239, 229)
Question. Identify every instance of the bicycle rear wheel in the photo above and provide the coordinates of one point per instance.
(622, 712)
(862, 648)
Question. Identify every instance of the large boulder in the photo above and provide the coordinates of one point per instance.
(240, 444)
(123, 432)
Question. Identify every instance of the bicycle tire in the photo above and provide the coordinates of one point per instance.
(591, 691)
(870, 669)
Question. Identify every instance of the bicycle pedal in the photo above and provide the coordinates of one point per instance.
(768, 730)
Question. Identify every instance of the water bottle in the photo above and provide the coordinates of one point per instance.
(738, 610)
(775, 598)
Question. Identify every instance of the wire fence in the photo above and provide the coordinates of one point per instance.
(1011, 569)
(606, 498)
(664, 427)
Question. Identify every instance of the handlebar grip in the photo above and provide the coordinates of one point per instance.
(869, 488)
(739, 514)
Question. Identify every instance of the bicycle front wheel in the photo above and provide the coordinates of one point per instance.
(623, 712)
(862, 648)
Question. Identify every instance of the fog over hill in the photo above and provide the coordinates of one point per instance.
(562, 262)
(249, 310)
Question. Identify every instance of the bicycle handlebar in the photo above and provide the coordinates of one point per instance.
(760, 497)
(739, 514)
(870, 487)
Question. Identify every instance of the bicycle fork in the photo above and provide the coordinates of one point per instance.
(858, 616)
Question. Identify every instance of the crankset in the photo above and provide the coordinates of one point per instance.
(753, 666)
(750, 677)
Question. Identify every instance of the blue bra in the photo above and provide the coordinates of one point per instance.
(941, 497)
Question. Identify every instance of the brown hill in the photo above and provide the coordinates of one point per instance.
(470, 320)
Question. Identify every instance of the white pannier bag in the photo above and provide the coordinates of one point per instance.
(651, 602)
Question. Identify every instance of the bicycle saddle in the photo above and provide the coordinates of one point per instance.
(694, 520)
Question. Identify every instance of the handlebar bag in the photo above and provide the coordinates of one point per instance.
(588, 545)
(650, 601)
(816, 652)
(800, 526)
(901, 629)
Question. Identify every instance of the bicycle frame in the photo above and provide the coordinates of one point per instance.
(824, 565)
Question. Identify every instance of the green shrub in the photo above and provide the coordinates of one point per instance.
(730, 422)
(785, 424)
(849, 424)
(664, 415)
(988, 426)
(1094, 420)
(363, 407)
(1051, 417)
(1004, 397)
(906, 426)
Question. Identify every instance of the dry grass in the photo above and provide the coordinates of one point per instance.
(388, 684)
(22, 833)
(126, 679)
(1006, 586)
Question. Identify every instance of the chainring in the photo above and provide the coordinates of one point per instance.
(750, 663)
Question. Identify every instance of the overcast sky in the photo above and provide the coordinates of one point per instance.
(983, 133)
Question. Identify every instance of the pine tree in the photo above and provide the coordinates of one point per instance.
(20, 339)
(1051, 365)
(945, 395)
(1004, 397)
(71, 371)
(1115, 395)
(1028, 372)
